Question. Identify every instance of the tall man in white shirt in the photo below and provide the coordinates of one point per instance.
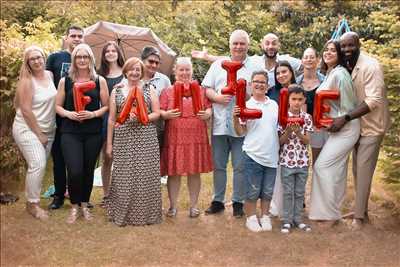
(224, 139)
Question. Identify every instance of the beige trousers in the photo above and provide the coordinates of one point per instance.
(365, 157)
(35, 155)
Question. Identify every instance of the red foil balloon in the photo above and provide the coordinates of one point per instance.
(231, 68)
(191, 89)
(320, 107)
(80, 100)
(238, 88)
(245, 113)
(284, 118)
(134, 103)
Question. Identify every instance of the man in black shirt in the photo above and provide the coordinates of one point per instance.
(58, 63)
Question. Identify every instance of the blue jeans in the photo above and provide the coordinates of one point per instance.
(222, 145)
(259, 180)
(294, 186)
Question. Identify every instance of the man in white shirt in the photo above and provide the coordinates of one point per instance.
(224, 138)
(151, 58)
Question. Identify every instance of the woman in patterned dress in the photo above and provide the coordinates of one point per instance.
(186, 150)
(135, 192)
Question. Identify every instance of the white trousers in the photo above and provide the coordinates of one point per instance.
(330, 173)
(35, 155)
(276, 208)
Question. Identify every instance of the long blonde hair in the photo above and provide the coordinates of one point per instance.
(92, 64)
(26, 71)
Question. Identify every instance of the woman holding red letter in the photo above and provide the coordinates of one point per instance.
(135, 191)
(330, 169)
(81, 139)
(186, 150)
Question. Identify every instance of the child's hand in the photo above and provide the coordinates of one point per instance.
(236, 111)
(296, 128)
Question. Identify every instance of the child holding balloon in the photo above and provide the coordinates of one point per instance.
(294, 159)
(261, 148)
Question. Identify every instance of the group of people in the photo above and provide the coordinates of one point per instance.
(270, 161)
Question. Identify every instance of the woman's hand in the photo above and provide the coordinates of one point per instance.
(203, 115)
(43, 139)
(172, 114)
(132, 116)
(86, 115)
(72, 115)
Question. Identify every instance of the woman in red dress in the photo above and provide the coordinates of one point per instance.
(186, 150)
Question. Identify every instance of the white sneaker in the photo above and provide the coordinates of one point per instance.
(265, 222)
(164, 179)
(252, 224)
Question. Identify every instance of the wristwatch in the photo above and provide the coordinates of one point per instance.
(347, 117)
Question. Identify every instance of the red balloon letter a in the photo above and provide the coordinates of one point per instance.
(80, 100)
(320, 108)
(238, 88)
(135, 101)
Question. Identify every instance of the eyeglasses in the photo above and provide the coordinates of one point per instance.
(33, 59)
(259, 82)
(151, 61)
(85, 57)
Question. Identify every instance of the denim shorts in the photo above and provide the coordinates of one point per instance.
(259, 180)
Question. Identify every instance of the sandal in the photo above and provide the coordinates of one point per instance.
(194, 212)
(86, 214)
(304, 227)
(73, 215)
(171, 212)
(103, 202)
(285, 229)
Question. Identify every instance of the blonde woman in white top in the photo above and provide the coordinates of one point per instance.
(34, 124)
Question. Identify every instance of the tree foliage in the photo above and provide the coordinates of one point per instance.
(188, 25)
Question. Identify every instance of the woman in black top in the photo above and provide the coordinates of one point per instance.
(111, 65)
(310, 81)
(81, 138)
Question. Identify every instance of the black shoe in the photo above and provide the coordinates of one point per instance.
(56, 203)
(215, 207)
(237, 209)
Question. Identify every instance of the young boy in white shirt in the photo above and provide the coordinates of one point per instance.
(294, 160)
(261, 152)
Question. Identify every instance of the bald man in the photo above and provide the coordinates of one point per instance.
(271, 45)
(373, 111)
